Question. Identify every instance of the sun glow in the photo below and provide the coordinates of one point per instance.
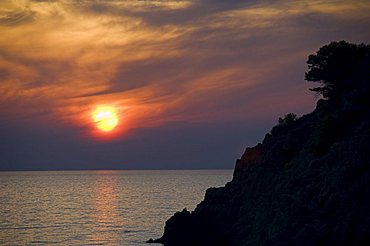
(105, 118)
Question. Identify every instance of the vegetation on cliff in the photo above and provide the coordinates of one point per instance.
(308, 182)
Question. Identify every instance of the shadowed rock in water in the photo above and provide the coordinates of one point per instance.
(307, 183)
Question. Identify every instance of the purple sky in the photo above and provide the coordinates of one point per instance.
(193, 82)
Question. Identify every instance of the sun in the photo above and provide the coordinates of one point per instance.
(105, 118)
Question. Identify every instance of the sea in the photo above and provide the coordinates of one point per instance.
(105, 207)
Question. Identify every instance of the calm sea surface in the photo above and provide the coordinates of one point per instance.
(97, 207)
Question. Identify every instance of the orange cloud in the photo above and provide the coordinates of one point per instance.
(159, 61)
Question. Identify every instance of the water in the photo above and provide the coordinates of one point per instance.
(97, 207)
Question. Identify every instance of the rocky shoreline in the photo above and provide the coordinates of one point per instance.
(307, 183)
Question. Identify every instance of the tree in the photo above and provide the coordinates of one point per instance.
(284, 124)
(288, 119)
(334, 65)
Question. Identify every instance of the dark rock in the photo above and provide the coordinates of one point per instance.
(308, 183)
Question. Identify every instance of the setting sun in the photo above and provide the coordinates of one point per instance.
(105, 118)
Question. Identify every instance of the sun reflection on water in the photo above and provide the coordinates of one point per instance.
(106, 207)
(96, 207)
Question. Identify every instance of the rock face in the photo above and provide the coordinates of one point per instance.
(307, 183)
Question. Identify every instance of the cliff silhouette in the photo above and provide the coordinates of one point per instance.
(308, 182)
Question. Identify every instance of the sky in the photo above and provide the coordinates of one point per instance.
(192, 83)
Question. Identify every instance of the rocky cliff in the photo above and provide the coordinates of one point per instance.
(307, 183)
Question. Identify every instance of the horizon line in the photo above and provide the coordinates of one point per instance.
(128, 169)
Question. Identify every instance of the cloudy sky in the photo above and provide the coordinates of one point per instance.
(193, 82)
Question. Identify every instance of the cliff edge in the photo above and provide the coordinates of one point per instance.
(308, 182)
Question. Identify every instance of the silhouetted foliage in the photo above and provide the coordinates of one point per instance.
(289, 118)
(284, 123)
(308, 182)
(327, 131)
(334, 66)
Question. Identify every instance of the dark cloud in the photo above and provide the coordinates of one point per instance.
(162, 15)
(45, 71)
(18, 17)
